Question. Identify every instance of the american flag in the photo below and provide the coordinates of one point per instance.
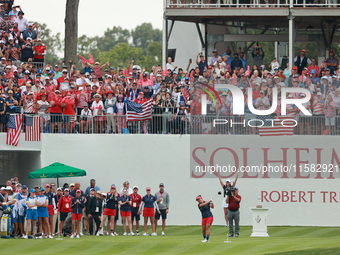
(137, 112)
(14, 129)
(32, 128)
(275, 129)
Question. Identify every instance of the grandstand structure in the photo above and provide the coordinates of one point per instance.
(219, 24)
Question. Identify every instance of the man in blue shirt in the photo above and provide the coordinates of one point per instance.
(92, 186)
(202, 64)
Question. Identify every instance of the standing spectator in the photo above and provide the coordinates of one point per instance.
(236, 63)
(64, 207)
(329, 114)
(120, 111)
(77, 204)
(14, 50)
(14, 14)
(302, 61)
(126, 185)
(331, 62)
(56, 111)
(318, 113)
(21, 21)
(30, 32)
(97, 111)
(68, 104)
(163, 201)
(32, 213)
(125, 211)
(39, 51)
(226, 189)
(215, 57)
(85, 117)
(92, 186)
(136, 200)
(202, 64)
(43, 216)
(241, 57)
(110, 210)
(233, 212)
(50, 207)
(258, 55)
(27, 50)
(93, 210)
(148, 205)
(169, 65)
(98, 69)
(110, 118)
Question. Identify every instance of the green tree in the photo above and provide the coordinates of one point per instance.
(112, 37)
(121, 55)
(144, 34)
(154, 55)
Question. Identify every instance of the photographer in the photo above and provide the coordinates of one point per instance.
(227, 187)
(233, 212)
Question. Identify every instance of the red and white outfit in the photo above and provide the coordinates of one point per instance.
(121, 119)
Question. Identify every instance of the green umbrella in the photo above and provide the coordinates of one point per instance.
(56, 170)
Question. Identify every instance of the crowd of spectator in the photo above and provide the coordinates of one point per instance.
(50, 210)
(248, 3)
(93, 99)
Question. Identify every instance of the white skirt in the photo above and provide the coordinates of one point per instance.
(224, 203)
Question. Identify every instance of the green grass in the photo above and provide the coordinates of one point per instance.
(187, 240)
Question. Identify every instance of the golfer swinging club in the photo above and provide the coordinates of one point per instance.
(207, 216)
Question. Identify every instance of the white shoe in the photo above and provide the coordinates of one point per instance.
(129, 234)
(77, 236)
(205, 241)
(81, 234)
(163, 234)
(115, 233)
(98, 233)
(72, 236)
(145, 234)
(50, 237)
(25, 237)
(132, 234)
(124, 234)
(112, 234)
(154, 234)
(137, 234)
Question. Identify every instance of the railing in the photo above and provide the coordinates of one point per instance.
(249, 3)
(167, 123)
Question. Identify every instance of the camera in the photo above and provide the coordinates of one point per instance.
(230, 190)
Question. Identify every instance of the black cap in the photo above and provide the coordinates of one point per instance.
(13, 182)
(161, 184)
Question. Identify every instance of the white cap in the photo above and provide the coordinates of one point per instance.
(39, 40)
(319, 94)
(29, 38)
(228, 180)
(135, 187)
(9, 188)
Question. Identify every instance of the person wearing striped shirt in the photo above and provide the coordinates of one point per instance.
(318, 113)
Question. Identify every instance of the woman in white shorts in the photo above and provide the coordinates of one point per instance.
(226, 187)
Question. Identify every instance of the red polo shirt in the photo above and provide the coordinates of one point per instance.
(233, 204)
